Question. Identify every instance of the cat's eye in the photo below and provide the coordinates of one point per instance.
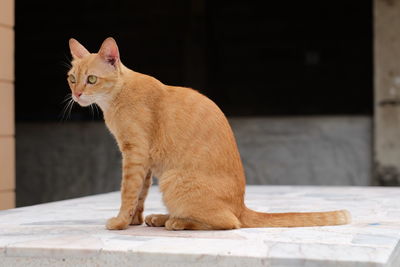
(72, 78)
(91, 79)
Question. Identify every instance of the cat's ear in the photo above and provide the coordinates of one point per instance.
(109, 51)
(77, 50)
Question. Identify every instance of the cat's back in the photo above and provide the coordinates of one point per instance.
(168, 99)
(177, 112)
(189, 121)
(189, 107)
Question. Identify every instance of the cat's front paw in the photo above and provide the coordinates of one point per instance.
(117, 223)
(137, 218)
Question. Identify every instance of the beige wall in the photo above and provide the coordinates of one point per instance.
(7, 141)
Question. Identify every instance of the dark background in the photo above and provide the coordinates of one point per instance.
(253, 58)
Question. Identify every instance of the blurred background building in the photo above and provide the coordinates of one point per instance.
(296, 80)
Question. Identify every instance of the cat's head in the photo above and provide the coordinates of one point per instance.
(93, 75)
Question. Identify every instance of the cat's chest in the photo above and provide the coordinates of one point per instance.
(111, 125)
(116, 126)
(124, 128)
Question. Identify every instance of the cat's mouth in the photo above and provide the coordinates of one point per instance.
(81, 101)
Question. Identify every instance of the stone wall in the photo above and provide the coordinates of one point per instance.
(305, 151)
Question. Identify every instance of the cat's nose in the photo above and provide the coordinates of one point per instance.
(77, 94)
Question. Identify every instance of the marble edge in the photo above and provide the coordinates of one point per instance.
(153, 187)
(102, 257)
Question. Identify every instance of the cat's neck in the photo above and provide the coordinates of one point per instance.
(104, 103)
(106, 100)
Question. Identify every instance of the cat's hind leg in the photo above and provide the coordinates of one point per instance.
(194, 203)
(216, 223)
(185, 224)
(137, 218)
(156, 220)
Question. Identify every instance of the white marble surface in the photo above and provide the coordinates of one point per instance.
(72, 233)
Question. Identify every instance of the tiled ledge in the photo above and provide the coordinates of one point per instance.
(72, 233)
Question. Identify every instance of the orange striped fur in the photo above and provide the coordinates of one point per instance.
(181, 137)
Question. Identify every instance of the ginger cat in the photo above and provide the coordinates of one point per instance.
(181, 137)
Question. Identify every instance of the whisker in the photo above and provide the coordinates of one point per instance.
(68, 115)
(97, 109)
(68, 97)
(66, 65)
(65, 109)
(70, 109)
(67, 62)
(92, 111)
(65, 117)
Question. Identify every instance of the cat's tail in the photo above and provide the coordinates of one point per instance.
(251, 219)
